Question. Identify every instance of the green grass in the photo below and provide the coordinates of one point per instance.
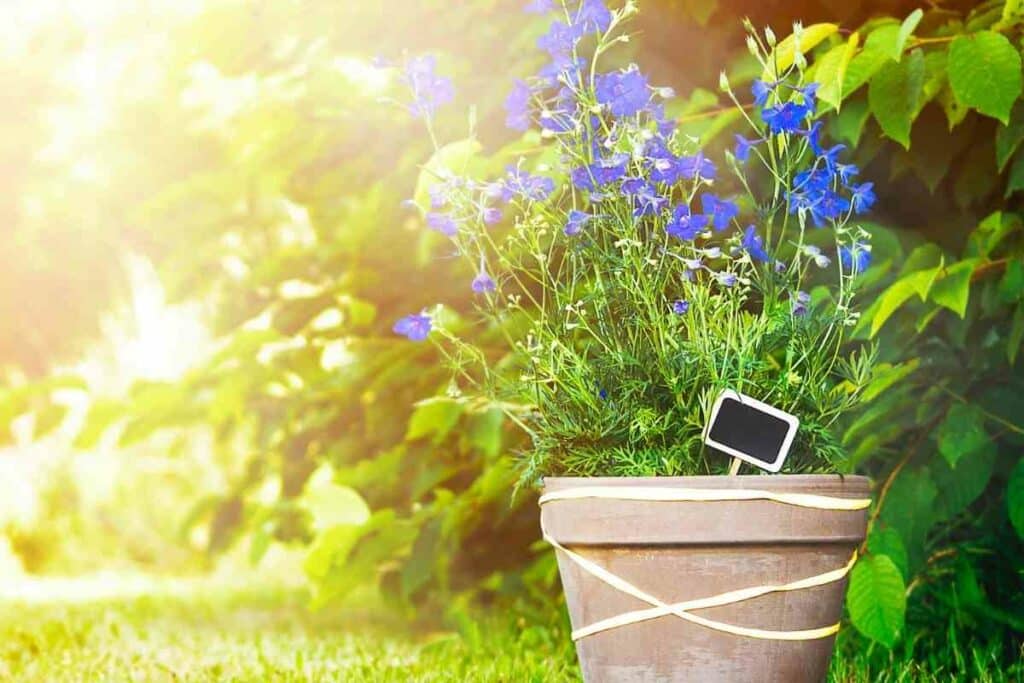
(211, 630)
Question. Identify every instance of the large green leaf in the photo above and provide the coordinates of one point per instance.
(830, 70)
(984, 73)
(331, 505)
(953, 289)
(877, 599)
(1015, 498)
(960, 487)
(962, 432)
(899, 292)
(888, 542)
(909, 508)
(434, 416)
(895, 94)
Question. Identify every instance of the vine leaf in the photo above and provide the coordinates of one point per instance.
(984, 73)
(962, 432)
(894, 95)
(831, 70)
(887, 542)
(877, 599)
(919, 282)
(953, 289)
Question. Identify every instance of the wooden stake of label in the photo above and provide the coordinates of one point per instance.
(734, 467)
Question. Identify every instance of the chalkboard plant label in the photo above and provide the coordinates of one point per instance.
(751, 430)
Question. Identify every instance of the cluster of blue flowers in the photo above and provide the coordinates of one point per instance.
(825, 191)
(455, 201)
(620, 145)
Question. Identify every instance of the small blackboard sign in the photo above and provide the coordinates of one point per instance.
(750, 430)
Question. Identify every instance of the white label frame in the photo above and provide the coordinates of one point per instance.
(792, 421)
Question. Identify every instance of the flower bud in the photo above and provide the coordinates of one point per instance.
(752, 46)
(769, 36)
(723, 82)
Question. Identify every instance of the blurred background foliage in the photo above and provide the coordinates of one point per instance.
(205, 249)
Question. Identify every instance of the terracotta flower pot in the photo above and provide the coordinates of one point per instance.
(684, 550)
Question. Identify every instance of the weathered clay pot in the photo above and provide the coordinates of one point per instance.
(678, 551)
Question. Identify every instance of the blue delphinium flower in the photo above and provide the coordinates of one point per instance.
(855, 260)
(429, 90)
(560, 39)
(760, 90)
(576, 221)
(685, 225)
(813, 135)
(490, 215)
(697, 166)
(743, 147)
(799, 303)
(785, 118)
(625, 92)
(601, 172)
(814, 194)
(809, 93)
(719, 211)
(558, 121)
(483, 282)
(416, 327)
(443, 223)
(519, 183)
(663, 164)
(863, 197)
(754, 245)
(646, 200)
(831, 157)
(592, 17)
(563, 67)
(517, 106)
(680, 307)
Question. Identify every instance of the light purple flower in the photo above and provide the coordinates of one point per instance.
(416, 327)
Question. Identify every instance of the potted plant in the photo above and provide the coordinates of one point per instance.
(626, 277)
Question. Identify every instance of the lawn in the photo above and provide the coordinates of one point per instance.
(116, 628)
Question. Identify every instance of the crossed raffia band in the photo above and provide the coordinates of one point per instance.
(683, 609)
